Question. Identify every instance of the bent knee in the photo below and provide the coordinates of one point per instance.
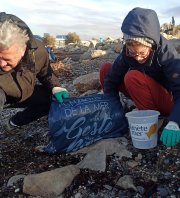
(133, 76)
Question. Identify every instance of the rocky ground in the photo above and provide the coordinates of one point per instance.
(155, 172)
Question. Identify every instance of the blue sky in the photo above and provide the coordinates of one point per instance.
(88, 18)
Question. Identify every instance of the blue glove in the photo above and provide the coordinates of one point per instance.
(171, 134)
(60, 93)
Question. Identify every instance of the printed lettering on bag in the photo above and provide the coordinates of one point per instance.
(79, 122)
(84, 130)
(85, 109)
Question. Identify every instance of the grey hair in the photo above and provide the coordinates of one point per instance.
(11, 34)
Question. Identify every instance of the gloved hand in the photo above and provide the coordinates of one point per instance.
(60, 93)
(171, 134)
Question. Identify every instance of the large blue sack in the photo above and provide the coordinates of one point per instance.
(81, 121)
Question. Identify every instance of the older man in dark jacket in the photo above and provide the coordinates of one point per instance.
(23, 61)
(147, 70)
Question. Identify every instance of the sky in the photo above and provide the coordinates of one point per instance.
(88, 18)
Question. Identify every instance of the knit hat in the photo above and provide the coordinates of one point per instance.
(143, 40)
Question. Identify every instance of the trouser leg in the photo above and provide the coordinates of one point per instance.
(147, 93)
(36, 107)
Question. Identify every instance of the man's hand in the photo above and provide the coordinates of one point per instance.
(171, 134)
(60, 93)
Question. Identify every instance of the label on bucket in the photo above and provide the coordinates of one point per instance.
(143, 131)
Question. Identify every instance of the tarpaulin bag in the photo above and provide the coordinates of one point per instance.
(79, 122)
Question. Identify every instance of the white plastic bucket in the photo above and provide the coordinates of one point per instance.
(143, 125)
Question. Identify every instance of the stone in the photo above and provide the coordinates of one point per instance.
(167, 175)
(98, 53)
(126, 182)
(140, 189)
(163, 191)
(93, 43)
(132, 163)
(111, 146)
(85, 56)
(87, 82)
(94, 160)
(14, 180)
(51, 183)
(78, 195)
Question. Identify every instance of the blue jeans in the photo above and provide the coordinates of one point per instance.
(35, 106)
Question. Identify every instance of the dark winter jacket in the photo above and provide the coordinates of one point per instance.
(163, 64)
(19, 82)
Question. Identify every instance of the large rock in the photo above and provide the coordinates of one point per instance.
(87, 82)
(51, 183)
(111, 146)
(94, 160)
(98, 53)
(85, 56)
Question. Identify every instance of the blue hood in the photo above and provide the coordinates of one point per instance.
(143, 23)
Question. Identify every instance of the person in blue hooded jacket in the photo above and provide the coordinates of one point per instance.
(52, 56)
(147, 71)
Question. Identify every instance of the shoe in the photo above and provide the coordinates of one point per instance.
(11, 128)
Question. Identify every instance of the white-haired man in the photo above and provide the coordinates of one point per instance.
(23, 61)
